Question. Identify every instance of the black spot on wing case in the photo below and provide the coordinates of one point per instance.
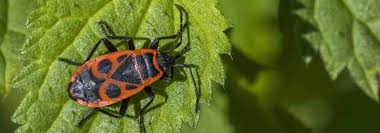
(104, 66)
(113, 91)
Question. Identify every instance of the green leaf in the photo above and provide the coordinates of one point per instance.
(68, 29)
(13, 16)
(3, 28)
(3, 18)
(213, 118)
(347, 38)
(255, 31)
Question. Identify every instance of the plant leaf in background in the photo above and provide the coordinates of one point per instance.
(255, 31)
(214, 118)
(68, 29)
(347, 38)
(283, 96)
(255, 81)
(3, 29)
(13, 17)
(256, 37)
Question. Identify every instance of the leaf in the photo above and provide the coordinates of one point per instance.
(68, 29)
(255, 30)
(347, 38)
(13, 15)
(3, 27)
(3, 18)
(213, 118)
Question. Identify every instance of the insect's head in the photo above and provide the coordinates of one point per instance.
(165, 60)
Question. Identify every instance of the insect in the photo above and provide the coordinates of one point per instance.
(119, 75)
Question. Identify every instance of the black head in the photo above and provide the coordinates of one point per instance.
(165, 61)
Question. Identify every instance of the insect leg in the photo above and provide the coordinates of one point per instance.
(103, 26)
(155, 42)
(105, 40)
(105, 29)
(129, 40)
(67, 61)
(168, 76)
(123, 107)
(85, 117)
(183, 51)
(151, 96)
(107, 43)
(122, 110)
(197, 90)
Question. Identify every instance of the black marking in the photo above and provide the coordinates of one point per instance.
(130, 87)
(140, 60)
(113, 91)
(85, 87)
(104, 66)
(152, 71)
(127, 72)
(121, 58)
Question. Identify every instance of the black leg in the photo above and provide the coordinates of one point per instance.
(85, 117)
(129, 40)
(105, 29)
(155, 42)
(121, 113)
(151, 96)
(168, 76)
(111, 48)
(107, 42)
(67, 61)
(122, 110)
(183, 51)
(197, 91)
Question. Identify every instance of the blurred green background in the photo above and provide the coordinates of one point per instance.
(269, 86)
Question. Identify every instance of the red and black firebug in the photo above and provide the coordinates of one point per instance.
(119, 75)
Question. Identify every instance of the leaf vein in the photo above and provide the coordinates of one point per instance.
(81, 29)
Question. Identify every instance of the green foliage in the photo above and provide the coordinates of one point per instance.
(213, 118)
(272, 86)
(255, 31)
(13, 16)
(3, 28)
(347, 38)
(68, 29)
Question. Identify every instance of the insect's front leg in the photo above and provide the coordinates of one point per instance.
(155, 42)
